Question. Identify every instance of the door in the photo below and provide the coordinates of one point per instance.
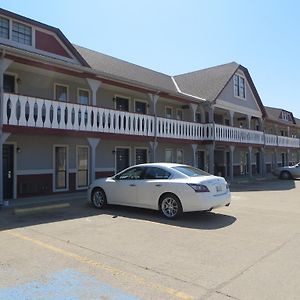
(82, 166)
(140, 156)
(60, 168)
(9, 83)
(201, 160)
(8, 171)
(122, 159)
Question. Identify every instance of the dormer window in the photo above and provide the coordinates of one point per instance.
(239, 86)
(21, 33)
(285, 116)
(4, 28)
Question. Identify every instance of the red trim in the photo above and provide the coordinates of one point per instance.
(104, 174)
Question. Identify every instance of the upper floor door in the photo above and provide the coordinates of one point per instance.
(9, 83)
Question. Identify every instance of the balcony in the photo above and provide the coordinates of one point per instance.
(33, 112)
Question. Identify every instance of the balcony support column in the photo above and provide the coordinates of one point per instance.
(194, 107)
(211, 158)
(194, 148)
(249, 162)
(263, 169)
(94, 85)
(4, 64)
(275, 159)
(231, 162)
(248, 122)
(153, 146)
(154, 99)
(231, 115)
(93, 145)
(211, 110)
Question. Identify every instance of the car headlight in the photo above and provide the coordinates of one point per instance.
(198, 188)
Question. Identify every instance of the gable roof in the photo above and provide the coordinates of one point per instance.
(55, 30)
(119, 68)
(274, 115)
(209, 83)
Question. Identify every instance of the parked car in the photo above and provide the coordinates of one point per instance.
(170, 188)
(288, 172)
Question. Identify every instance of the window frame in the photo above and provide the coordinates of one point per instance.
(172, 112)
(157, 167)
(54, 169)
(172, 158)
(25, 25)
(141, 101)
(237, 93)
(179, 110)
(78, 95)
(63, 85)
(177, 150)
(115, 154)
(142, 148)
(88, 170)
(117, 177)
(8, 28)
(123, 97)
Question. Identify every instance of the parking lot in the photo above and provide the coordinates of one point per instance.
(249, 250)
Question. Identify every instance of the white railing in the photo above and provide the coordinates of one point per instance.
(271, 140)
(35, 112)
(41, 113)
(238, 135)
(285, 141)
(170, 128)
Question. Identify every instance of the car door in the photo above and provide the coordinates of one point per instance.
(154, 183)
(122, 189)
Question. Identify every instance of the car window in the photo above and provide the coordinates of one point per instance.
(131, 174)
(156, 173)
(191, 171)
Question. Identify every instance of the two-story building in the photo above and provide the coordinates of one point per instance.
(69, 115)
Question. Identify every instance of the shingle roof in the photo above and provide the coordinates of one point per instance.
(206, 83)
(274, 115)
(122, 69)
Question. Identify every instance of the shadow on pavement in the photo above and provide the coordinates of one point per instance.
(274, 185)
(81, 209)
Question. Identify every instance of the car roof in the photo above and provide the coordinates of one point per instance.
(160, 164)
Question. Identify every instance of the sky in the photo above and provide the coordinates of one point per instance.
(180, 36)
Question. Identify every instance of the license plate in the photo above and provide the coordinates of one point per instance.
(218, 188)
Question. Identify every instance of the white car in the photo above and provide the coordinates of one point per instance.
(170, 188)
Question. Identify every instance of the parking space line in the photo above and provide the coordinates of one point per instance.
(139, 280)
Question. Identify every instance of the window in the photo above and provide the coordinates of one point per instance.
(156, 173)
(140, 107)
(239, 86)
(122, 103)
(140, 155)
(131, 174)
(180, 156)
(122, 159)
(60, 172)
(168, 155)
(191, 171)
(61, 92)
(9, 83)
(179, 114)
(169, 112)
(4, 28)
(21, 33)
(82, 166)
(198, 118)
(83, 97)
(285, 116)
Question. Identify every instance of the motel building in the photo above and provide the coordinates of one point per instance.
(70, 114)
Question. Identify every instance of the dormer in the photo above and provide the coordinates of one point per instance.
(286, 116)
(22, 33)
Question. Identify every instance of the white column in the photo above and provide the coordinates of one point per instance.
(93, 145)
(211, 114)
(194, 107)
(194, 147)
(231, 115)
(4, 64)
(248, 122)
(249, 162)
(153, 146)
(94, 85)
(211, 158)
(153, 99)
(262, 162)
(231, 162)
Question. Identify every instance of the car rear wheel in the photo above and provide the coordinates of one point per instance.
(98, 198)
(285, 175)
(170, 206)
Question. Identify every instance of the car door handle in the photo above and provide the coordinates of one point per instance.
(132, 184)
(158, 185)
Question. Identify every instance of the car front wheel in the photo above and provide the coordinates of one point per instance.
(170, 206)
(285, 175)
(98, 198)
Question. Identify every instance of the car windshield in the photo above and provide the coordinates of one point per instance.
(191, 171)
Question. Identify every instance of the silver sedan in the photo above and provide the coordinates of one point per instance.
(288, 172)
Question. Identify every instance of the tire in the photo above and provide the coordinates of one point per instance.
(170, 206)
(98, 198)
(285, 175)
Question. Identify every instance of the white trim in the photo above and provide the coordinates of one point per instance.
(180, 149)
(142, 101)
(88, 165)
(123, 97)
(143, 148)
(122, 147)
(64, 85)
(67, 169)
(177, 110)
(89, 95)
(169, 149)
(240, 76)
(172, 113)
(15, 167)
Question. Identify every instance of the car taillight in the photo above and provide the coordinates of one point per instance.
(198, 188)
